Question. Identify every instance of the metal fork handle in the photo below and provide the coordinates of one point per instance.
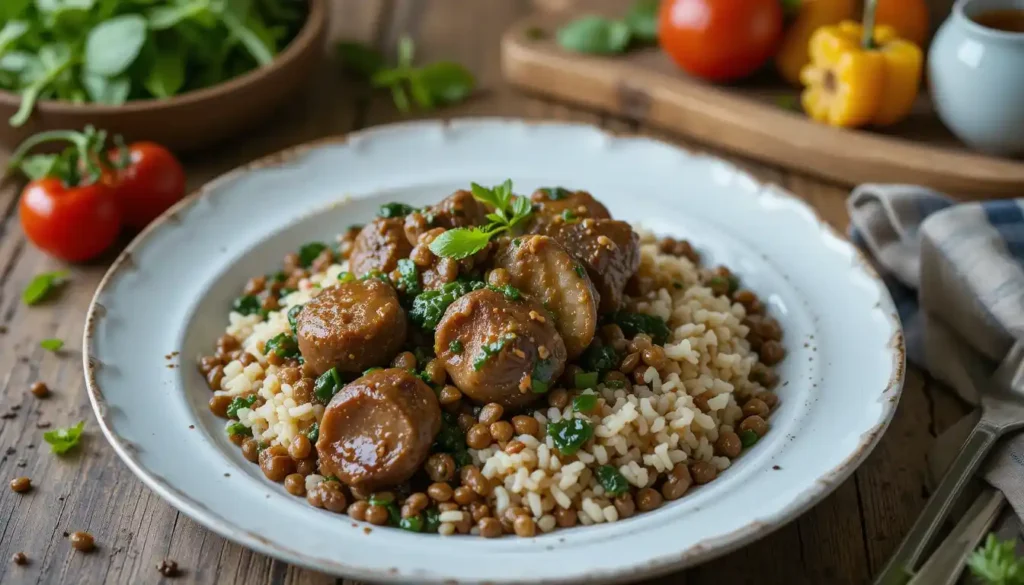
(904, 561)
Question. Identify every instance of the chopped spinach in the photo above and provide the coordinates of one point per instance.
(511, 293)
(599, 358)
(431, 520)
(239, 403)
(570, 434)
(555, 193)
(247, 305)
(450, 439)
(389, 210)
(327, 385)
(429, 306)
(408, 277)
(309, 252)
(584, 403)
(580, 271)
(489, 350)
(313, 432)
(748, 438)
(237, 428)
(412, 524)
(633, 323)
(455, 346)
(612, 480)
(584, 380)
(283, 346)
(293, 317)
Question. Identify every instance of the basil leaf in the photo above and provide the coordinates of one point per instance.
(167, 75)
(11, 32)
(102, 90)
(460, 243)
(42, 285)
(252, 42)
(113, 45)
(594, 34)
(362, 60)
(165, 17)
(642, 20)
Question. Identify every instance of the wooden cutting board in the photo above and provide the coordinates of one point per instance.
(755, 118)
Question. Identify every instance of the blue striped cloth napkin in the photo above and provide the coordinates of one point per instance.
(956, 274)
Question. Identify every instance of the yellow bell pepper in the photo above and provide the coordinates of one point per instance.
(814, 14)
(849, 85)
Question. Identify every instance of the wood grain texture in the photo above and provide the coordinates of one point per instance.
(839, 541)
(745, 118)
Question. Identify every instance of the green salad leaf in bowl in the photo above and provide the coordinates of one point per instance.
(113, 51)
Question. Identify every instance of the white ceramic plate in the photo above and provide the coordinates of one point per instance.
(171, 289)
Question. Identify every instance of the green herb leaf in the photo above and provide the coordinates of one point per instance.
(555, 193)
(489, 350)
(381, 498)
(257, 47)
(346, 276)
(107, 91)
(283, 346)
(309, 252)
(748, 438)
(113, 45)
(612, 480)
(429, 306)
(327, 385)
(62, 440)
(237, 428)
(570, 434)
(51, 344)
(293, 317)
(584, 380)
(996, 563)
(42, 285)
(460, 243)
(599, 358)
(510, 292)
(412, 524)
(595, 35)
(584, 403)
(395, 210)
(633, 323)
(239, 403)
(247, 305)
(431, 520)
(455, 346)
(408, 277)
(39, 166)
(362, 60)
(167, 75)
(445, 82)
(642, 20)
(313, 432)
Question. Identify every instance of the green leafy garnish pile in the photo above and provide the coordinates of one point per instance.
(996, 563)
(435, 84)
(605, 36)
(113, 51)
(509, 211)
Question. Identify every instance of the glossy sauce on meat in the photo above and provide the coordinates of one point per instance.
(495, 348)
(352, 326)
(609, 250)
(540, 267)
(377, 431)
(555, 202)
(460, 209)
(379, 246)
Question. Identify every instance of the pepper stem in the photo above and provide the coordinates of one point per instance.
(868, 38)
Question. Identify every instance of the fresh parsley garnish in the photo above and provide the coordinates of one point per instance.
(509, 211)
(455, 346)
(283, 346)
(570, 434)
(429, 306)
(612, 480)
(309, 252)
(293, 317)
(409, 277)
(61, 440)
(389, 210)
(237, 428)
(247, 305)
(633, 323)
(489, 350)
(42, 285)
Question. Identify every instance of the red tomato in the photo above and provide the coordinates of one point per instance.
(152, 182)
(74, 224)
(720, 40)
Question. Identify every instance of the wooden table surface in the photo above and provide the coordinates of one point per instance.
(845, 539)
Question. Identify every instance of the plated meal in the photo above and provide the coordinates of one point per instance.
(608, 381)
(495, 364)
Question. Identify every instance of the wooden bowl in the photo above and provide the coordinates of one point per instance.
(191, 120)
